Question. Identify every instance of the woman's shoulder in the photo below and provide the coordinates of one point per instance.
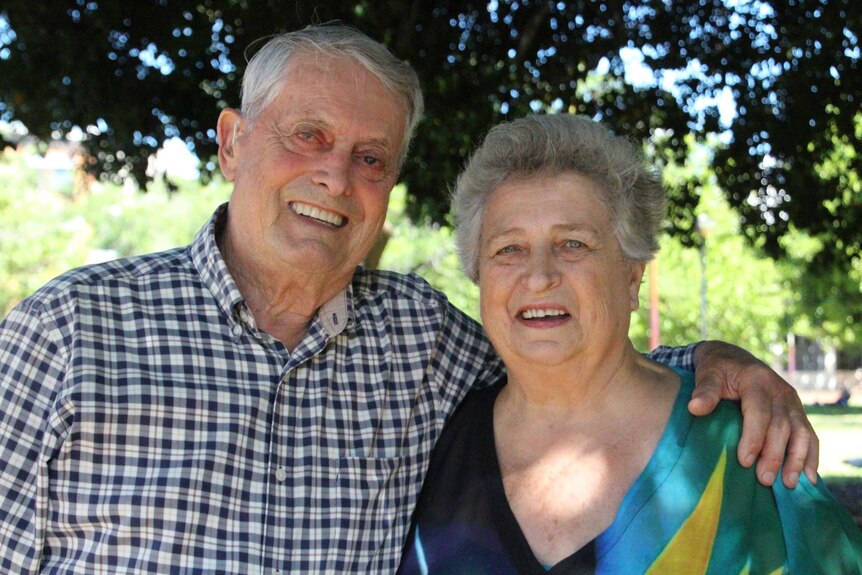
(473, 415)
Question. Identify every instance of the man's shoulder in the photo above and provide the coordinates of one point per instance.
(389, 284)
(410, 299)
(111, 273)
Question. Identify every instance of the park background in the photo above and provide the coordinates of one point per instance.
(750, 108)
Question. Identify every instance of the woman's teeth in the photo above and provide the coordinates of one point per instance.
(542, 313)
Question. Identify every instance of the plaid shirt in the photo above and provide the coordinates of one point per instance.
(148, 426)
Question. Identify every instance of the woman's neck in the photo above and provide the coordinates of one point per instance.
(583, 384)
(568, 462)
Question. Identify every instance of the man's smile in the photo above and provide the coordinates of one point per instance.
(318, 214)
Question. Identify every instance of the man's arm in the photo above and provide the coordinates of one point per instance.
(29, 370)
(774, 423)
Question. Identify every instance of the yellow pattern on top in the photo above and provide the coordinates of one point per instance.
(689, 550)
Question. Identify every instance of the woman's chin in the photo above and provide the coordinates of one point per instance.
(542, 354)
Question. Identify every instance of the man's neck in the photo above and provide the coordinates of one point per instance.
(282, 302)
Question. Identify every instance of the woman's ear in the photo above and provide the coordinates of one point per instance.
(230, 122)
(635, 279)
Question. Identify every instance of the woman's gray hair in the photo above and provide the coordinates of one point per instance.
(265, 73)
(550, 145)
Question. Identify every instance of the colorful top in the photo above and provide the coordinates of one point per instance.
(693, 510)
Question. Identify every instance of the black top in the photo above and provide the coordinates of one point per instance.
(463, 522)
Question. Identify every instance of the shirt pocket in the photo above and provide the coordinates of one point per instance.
(377, 497)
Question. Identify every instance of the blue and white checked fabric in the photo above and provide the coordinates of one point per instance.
(148, 426)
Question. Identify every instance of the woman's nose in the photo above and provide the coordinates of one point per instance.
(542, 271)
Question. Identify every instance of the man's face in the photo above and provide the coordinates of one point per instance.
(312, 173)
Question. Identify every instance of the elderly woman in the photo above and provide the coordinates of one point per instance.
(587, 459)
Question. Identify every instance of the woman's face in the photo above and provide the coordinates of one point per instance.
(553, 280)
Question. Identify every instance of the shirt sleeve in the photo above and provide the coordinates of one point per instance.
(681, 357)
(31, 368)
(464, 358)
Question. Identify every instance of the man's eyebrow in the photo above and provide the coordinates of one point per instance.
(291, 120)
(382, 142)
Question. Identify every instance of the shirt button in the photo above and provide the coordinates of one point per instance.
(281, 474)
(236, 330)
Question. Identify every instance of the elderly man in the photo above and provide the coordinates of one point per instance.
(255, 402)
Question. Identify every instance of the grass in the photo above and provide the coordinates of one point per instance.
(840, 433)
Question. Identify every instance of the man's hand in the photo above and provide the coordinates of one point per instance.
(773, 422)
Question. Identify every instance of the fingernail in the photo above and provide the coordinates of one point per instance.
(748, 459)
(768, 477)
(793, 479)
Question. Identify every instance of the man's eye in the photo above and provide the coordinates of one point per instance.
(372, 165)
(573, 244)
(305, 135)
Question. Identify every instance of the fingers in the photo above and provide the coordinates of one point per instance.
(774, 424)
(706, 394)
(774, 448)
(812, 461)
(803, 453)
(788, 441)
(794, 464)
(757, 420)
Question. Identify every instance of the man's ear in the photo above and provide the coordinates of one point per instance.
(230, 123)
(635, 280)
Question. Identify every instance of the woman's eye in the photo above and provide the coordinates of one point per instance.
(508, 250)
(370, 160)
(573, 244)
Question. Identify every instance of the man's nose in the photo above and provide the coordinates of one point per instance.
(333, 172)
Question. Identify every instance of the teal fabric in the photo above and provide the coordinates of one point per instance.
(829, 542)
(695, 510)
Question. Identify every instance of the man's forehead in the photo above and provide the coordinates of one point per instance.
(318, 88)
(341, 69)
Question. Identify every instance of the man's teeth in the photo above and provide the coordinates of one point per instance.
(541, 313)
(317, 214)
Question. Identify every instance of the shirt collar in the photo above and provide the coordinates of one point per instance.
(334, 315)
(207, 259)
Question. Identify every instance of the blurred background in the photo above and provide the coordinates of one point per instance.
(749, 108)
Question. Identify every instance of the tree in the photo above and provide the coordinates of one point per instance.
(29, 256)
(45, 229)
(747, 293)
(428, 249)
(132, 74)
